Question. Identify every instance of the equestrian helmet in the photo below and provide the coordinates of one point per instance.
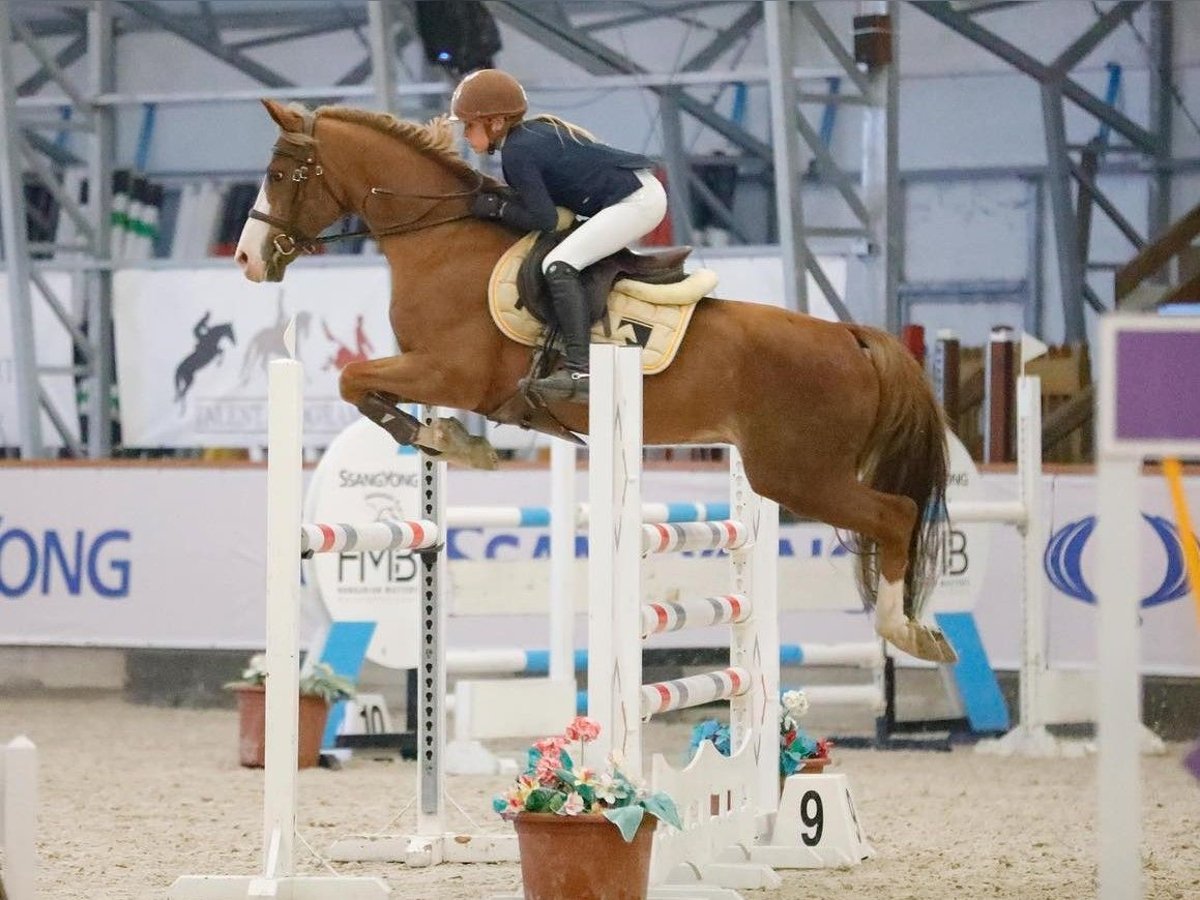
(485, 93)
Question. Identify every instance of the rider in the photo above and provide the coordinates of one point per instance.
(547, 163)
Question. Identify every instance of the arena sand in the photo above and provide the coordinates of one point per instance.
(132, 796)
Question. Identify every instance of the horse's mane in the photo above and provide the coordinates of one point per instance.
(434, 140)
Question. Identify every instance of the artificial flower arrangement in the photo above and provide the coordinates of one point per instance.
(796, 748)
(552, 783)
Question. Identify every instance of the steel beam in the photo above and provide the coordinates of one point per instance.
(63, 59)
(102, 67)
(1085, 44)
(831, 295)
(198, 36)
(718, 209)
(943, 12)
(67, 204)
(881, 202)
(49, 64)
(16, 255)
(383, 55)
(208, 20)
(234, 17)
(1087, 184)
(829, 170)
(357, 74)
(599, 59)
(679, 169)
(793, 251)
(1162, 29)
(1035, 233)
(728, 36)
(295, 35)
(1066, 240)
(1085, 171)
(60, 156)
(647, 13)
(825, 33)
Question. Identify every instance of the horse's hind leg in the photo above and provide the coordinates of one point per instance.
(887, 522)
(382, 410)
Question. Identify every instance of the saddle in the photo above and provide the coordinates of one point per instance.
(634, 298)
(652, 267)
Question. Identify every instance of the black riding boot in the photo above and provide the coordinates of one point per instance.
(571, 310)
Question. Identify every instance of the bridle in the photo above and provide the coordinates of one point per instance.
(292, 239)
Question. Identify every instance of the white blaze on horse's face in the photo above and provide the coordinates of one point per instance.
(252, 246)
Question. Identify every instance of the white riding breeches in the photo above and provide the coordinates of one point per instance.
(614, 227)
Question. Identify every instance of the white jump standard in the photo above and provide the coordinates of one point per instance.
(287, 537)
(728, 804)
(278, 877)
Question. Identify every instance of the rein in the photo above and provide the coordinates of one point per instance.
(292, 239)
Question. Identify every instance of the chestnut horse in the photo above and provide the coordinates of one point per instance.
(834, 421)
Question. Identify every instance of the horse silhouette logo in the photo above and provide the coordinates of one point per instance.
(344, 355)
(208, 348)
(267, 343)
(384, 507)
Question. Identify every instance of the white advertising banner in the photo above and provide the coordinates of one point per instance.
(132, 556)
(193, 344)
(53, 348)
(173, 556)
(193, 348)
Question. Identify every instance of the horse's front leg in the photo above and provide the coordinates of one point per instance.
(376, 386)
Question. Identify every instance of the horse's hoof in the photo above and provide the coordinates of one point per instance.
(481, 455)
(918, 640)
(451, 438)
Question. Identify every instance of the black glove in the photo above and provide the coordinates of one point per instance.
(488, 206)
(504, 209)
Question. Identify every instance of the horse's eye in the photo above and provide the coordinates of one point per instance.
(277, 176)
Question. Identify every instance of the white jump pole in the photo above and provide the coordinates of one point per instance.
(614, 555)
(563, 529)
(285, 472)
(1029, 736)
(1145, 407)
(18, 819)
(284, 510)
(748, 780)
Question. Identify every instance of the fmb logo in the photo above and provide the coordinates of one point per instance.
(1064, 561)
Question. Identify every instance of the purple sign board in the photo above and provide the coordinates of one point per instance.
(1149, 400)
(1158, 385)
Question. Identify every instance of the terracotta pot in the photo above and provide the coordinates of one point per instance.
(252, 726)
(815, 766)
(810, 767)
(583, 857)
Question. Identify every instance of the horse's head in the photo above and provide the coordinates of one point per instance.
(295, 203)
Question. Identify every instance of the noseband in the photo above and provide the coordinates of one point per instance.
(292, 239)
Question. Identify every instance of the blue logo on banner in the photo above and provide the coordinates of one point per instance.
(1064, 561)
(42, 562)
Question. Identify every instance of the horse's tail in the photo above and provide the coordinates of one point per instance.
(905, 454)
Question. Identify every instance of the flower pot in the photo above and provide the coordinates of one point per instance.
(815, 766)
(252, 726)
(583, 857)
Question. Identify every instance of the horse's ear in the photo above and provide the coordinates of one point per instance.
(285, 117)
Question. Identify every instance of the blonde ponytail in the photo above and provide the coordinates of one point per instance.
(579, 135)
